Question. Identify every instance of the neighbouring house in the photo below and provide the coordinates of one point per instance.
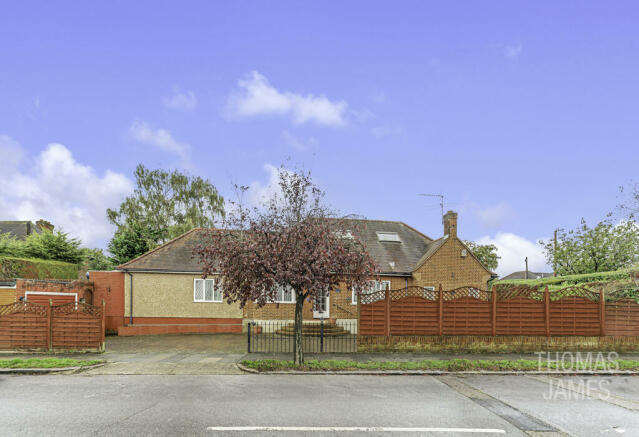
(526, 275)
(164, 291)
(21, 229)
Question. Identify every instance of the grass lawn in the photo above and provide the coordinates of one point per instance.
(44, 363)
(443, 365)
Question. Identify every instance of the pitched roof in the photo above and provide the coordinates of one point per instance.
(19, 229)
(173, 256)
(522, 275)
(176, 255)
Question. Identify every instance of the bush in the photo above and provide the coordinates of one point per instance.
(12, 267)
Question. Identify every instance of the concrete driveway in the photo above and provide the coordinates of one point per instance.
(179, 354)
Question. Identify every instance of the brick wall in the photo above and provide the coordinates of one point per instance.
(84, 289)
(450, 269)
(110, 287)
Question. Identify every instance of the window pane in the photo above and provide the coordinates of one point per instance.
(218, 293)
(288, 295)
(199, 290)
(208, 291)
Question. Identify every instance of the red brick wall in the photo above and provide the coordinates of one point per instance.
(110, 287)
(84, 289)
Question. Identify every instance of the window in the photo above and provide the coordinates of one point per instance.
(372, 288)
(284, 295)
(429, 293)
(205, 290)
(388, 236)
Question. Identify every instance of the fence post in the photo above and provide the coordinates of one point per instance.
(547, 310)
(602, 313)
(103, 326)
(387, 311)
(50, 326)
(322, 334)
(493, 297)
(248, 325)
(440, 318)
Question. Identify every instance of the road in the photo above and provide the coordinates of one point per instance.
(154, 405)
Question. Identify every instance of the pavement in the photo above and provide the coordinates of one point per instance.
(317, 405)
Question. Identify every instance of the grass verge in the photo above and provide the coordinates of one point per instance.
(45, 363)
(454, 365)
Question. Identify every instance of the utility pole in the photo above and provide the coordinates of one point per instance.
(441, 201)
(526, 261)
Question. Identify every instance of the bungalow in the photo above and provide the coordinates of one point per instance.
(164, 291)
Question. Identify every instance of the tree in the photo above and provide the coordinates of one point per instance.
(294, 242)
(485, 253)
(168, 204)
(96, 259)
(629, 203)
(131, 241)
(605, 247)
(54, 245)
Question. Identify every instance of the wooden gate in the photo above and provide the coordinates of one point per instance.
(71, 326)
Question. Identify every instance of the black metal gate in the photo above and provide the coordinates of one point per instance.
(275, 336)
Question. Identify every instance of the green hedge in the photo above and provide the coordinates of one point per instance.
(567, 280)
(11, 267)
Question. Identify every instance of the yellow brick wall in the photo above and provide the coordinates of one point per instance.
(448, 268)
(7, 295)
(171, 295)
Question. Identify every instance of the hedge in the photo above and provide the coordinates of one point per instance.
(570, 279)
(11, 267)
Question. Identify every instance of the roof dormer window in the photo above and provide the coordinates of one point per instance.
(388, 236)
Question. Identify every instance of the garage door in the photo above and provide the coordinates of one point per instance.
(42, 297)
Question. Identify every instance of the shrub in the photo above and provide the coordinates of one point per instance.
(12, 267)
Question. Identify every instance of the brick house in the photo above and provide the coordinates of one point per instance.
(405, 257)
(164, 292)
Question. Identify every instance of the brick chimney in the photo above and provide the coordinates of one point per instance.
(450, 224)
(45, 225)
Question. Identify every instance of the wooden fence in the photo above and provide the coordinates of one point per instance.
(572, 311)
(70, 326)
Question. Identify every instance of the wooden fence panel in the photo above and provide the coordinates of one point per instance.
(622, 318)
(76, 326)
(467, 316)
(414, 315)
(574, 315)
(372, 318)
(24, 326)
(521, 316)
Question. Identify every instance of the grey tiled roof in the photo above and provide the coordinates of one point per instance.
(176, 255)
(19, 229)
(531, 275)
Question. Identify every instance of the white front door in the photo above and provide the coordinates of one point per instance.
(321, 306)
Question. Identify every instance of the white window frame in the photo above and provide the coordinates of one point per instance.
(383, 284)
(389, 236)
(285, 301)
(203, 300)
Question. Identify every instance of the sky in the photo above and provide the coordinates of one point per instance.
(523, 115)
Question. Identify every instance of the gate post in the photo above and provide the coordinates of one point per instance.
(493, 297)
(440, 298)
(547, 310)
(322, 334)
(103, 326)
(387, 301)
(602, 313)
(50, 326)
(248, 325)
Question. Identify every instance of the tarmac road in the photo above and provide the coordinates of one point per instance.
(316, 405)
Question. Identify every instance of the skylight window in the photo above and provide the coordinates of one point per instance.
(388, 236)
(344, 235)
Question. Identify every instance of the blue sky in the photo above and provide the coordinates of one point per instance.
(523, 114)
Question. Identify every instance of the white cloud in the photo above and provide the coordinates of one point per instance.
(183, 101)
(494, 216)
(54, 186)
(10, 152)
(256, 96)
(160, 138)
(296, 142)
(513, 249)
(513, 51)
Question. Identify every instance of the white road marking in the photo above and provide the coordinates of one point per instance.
(353, 429)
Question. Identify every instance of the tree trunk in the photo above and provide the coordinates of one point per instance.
(298, 349)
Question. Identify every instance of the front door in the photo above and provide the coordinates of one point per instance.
(321, 306)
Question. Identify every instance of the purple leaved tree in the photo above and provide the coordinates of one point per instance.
(293, 241)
